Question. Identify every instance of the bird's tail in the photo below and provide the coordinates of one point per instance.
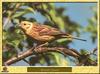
(79, 38)
(69, 36)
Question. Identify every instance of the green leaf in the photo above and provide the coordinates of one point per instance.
(23, 11)
(16, 42)
(44, 6)
(18, 14)
(42, 61)
(84, 52)
(59, 59)
(30, 9)
(64, 39)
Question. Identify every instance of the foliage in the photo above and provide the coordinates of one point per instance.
(13, 36)
(92, 27)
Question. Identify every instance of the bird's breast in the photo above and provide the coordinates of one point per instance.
(32, 33)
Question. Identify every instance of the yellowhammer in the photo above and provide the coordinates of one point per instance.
(44, 33)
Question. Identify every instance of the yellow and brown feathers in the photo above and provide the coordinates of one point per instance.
(43, 32)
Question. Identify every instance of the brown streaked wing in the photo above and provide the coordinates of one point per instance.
(47, 30)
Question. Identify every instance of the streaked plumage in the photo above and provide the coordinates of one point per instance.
(43, 33)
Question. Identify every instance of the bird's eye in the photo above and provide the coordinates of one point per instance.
(24, 24)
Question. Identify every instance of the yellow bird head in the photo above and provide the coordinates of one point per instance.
(25, 25)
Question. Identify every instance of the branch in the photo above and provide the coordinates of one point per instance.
(19, 57)
(65, 51)
(84, 59)
(93, 51)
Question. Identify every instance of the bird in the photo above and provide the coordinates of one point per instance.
(44, 33)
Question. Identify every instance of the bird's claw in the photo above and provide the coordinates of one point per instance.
(45, 44)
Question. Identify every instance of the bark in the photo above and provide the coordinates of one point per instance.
(37, 50)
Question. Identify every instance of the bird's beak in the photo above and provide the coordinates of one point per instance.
(19, 26)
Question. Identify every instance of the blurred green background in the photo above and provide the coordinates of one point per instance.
(78, 19)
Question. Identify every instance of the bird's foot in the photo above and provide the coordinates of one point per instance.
(45, 44)
(38, 48)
